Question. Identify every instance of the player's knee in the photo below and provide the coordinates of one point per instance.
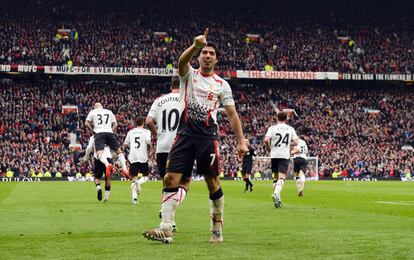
(171, 180)
(185, 183)
(282, 176)
(213, 183)
(217, 194)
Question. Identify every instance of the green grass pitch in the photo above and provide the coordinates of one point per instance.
(334, 220)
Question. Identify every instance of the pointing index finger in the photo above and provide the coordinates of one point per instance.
(206, 33)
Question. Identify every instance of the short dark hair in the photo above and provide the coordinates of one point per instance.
(140, 120)
(212, 45)
(175, 82)
(282, 116)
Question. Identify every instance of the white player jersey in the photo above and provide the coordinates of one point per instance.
(166, 111)
(303, 150)
(138, 139)
(281, 136)
(202, 96)
(91, 147)
(102, 120)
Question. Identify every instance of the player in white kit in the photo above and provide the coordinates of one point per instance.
(138, 140)
(163, 119)
(102, 123)
(202, 93)
(99, 168)
(300, 155)
(278, 140)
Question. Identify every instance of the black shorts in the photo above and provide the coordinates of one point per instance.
(98, 168)
(280, 165)
(185, 150)
(299, 164)
(139, 168)
(247, 168)
(162, 163)
(106, 139)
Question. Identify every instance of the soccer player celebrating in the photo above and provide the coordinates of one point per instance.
(138, 140)
(300, 153)
(202, 92)
(247, 165)
(163, 119)
(104, 125)
(278, 141)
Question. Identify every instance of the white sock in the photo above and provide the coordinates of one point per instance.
(277, 188)
(168, 208)
(121, 159)
(298, 184)
(143, 180)
(107, 192)
(103, 159)
(134, 190)
(302, 178)
(98, 187)
(216, 214)
(182, 193)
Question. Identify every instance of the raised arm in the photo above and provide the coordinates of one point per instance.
(185, 58)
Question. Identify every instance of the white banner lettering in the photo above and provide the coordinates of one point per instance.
(116, 71)
(301, 75)
(5, 68)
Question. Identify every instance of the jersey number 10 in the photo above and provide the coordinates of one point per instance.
(168, 120)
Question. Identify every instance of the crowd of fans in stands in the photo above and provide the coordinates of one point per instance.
(125, 34)
(354, 130)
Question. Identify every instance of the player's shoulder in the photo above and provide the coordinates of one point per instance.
(221, 81)
(291, 127)
(100, 110)
(107, 110)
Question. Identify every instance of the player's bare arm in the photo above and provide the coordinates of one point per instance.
(185, 58)
(150, 122)
(294, 150)
(114, 127)
(237, 129)
(267, 143)
(88, 125)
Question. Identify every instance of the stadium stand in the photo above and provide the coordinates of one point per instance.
(350, 128)
(147, 34)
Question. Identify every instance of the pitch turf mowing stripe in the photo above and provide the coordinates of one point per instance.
(64, 220)
(402, 203)
(5, 189)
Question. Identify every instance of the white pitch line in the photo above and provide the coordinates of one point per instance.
(397, 203)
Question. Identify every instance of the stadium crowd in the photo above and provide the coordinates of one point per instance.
(354, 130)
(343, 38)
